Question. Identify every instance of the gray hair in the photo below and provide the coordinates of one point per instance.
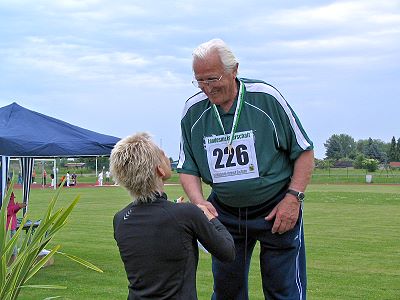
(227, 57)
(133, 163)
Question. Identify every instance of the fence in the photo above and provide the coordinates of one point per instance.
(350, 175)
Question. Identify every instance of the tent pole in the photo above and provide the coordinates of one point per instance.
(55, 174)
(5, 160)
(43, 174)
(28, 164)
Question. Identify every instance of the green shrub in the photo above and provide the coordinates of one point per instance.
(370, 164)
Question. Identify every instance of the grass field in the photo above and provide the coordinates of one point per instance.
(352, 237)
(332, 175)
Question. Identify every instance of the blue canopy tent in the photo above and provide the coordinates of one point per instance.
(27, 135)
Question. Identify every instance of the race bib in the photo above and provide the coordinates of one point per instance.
(238, 164)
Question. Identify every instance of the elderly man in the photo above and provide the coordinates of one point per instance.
(242, 138)
(157, 239)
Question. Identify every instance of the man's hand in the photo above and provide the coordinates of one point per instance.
(205, 206)
(193, 189)
(206, 211)
(210, 208)
(285, 213)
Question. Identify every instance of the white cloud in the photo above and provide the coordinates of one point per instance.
(337, 13)
(89, 49)
(73, 60)
(383, 40)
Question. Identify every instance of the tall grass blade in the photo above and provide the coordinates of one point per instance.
(82, 262)
(41, 263)
(45, 286)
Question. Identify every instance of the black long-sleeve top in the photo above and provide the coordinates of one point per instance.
(158, 246)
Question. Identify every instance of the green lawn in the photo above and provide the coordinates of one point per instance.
(332, 176)
(352, 236)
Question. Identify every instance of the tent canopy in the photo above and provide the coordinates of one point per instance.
(26, 133)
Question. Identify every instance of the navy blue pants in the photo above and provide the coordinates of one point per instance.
(282, 257)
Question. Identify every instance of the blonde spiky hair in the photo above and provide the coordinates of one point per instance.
(133, 163)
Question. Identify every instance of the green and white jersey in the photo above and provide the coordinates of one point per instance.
(267, 141)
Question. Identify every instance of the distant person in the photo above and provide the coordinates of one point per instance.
(243, 139)
(157, 238)
(44, 177)
(108, 176)
(68, 181)
(12, 210)
(19, 178)
(33, 176)
(74, 179)
(100, 178)
(53, 180)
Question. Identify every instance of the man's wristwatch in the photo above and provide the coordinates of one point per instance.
(299, 195)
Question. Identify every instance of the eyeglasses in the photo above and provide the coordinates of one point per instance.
(201, 83)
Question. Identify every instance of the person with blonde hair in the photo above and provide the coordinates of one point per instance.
(157, 238)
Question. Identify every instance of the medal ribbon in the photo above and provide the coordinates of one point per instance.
(236, 117)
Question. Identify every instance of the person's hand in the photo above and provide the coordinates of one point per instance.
(206, 211)
(285, 213)
(209, 206)
(22, 205)
(181, 199)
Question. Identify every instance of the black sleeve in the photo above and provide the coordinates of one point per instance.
(212, 234)
(116, 221)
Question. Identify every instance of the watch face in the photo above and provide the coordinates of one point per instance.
(300, 195)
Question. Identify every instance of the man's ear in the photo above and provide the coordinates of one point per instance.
(160, 171)
(235, 71)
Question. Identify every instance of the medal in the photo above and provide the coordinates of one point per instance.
(230, 149)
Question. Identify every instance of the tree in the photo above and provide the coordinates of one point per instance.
(340, 146)
(333, 149)
(323, 163)
(359, 161)
(392, 154)
(398, 150)
(343, 147)
(373, 148)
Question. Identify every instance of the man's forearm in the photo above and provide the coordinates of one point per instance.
(303, 168)
(193, 188)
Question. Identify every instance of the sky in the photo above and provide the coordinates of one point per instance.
(118, 67)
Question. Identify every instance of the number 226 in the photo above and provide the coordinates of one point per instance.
(240, 151)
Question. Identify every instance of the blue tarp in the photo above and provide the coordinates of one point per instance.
(26, 133)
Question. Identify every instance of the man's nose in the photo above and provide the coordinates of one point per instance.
(206, 87)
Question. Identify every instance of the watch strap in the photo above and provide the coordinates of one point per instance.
(299, 195)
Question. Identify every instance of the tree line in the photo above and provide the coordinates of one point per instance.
(343, 151)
